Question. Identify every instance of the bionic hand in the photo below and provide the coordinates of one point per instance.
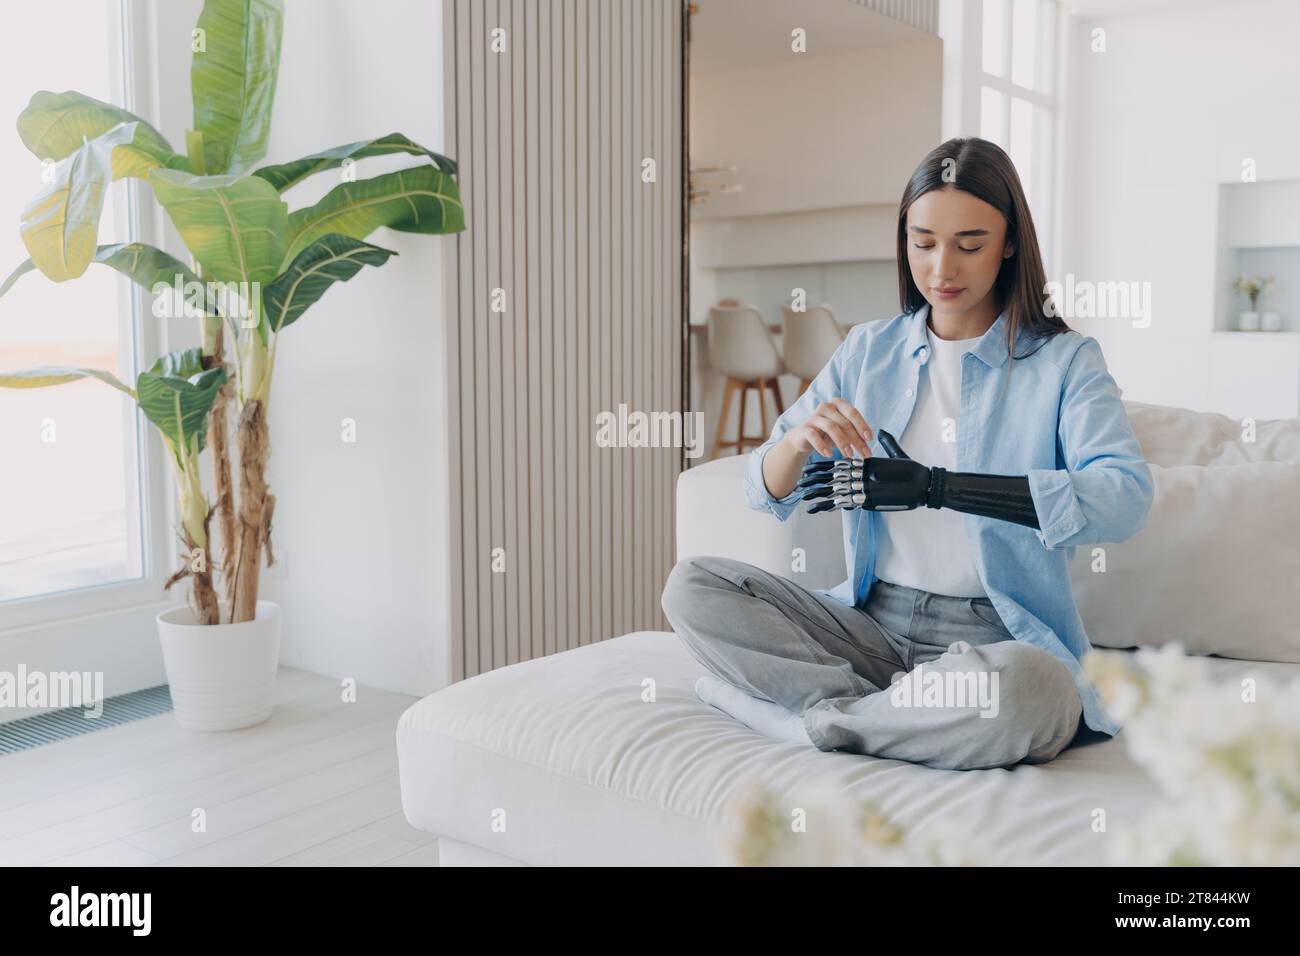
(897, 483)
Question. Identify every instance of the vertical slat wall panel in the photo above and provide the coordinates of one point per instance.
(657, 294)
(536, 605)
(637, 566)
(600, 314)
(674, 195)
(550, 121)
(456, 146)
(580, 338)
(550, 136)
(497, 108)
(568, 501)
(619, 48)
(508, 328)
(588, 304)
(522, 317)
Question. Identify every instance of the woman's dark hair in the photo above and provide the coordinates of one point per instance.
(985, 171)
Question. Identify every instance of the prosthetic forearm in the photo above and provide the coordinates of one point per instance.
(899, 484)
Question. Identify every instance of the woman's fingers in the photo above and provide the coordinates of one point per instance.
(856, 418)
(850, 438)
(819, 441)
(836, 424)
(840, 431)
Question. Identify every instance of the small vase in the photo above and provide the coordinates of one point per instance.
(222, 676)
(1248, 321)
(1270, 321)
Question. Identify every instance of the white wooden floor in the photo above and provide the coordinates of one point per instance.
(314, 785)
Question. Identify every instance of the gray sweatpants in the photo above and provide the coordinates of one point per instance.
(927, 678)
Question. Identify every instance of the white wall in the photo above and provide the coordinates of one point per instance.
(817, 131)
(1154, 125)
(361, 528)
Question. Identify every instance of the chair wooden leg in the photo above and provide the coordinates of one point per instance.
(803, 385)
(727, 392)
(740, 426)
(776, 393)
(762, 405)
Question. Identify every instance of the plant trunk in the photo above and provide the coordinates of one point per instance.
(224, 506)
(203, 596)
(207, 609)
(253, 438)
(214, 356)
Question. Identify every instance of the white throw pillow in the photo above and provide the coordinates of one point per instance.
(1180, 436)
(1217, 566)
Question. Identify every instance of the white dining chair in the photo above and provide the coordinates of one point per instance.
(741, 348)
(811, 337)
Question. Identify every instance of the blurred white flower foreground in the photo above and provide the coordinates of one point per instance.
(1226, 756)
(828, 828)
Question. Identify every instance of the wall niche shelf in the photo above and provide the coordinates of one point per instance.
(1259, 235)
(1257, 373)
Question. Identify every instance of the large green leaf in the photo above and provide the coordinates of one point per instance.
(285, 175)
(59, 375)
(234, 226)
(135, 157)
(60, 227)
(144, 264)
(422, 199)
(154, 270)
(330, 259)
(55, 125)
(182, 364)
(232, 80)
(176, 394)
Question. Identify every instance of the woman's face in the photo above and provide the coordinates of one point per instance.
(955, 247)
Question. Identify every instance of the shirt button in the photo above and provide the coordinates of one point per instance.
(909, 393)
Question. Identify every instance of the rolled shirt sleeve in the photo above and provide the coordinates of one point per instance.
(1105, 491)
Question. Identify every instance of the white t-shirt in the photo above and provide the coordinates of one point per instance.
(927, 548)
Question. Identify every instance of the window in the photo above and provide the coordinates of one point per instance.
(1017, 102)
(77, 463)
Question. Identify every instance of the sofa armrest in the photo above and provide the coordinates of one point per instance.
(713, 518)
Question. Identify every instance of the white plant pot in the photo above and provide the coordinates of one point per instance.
(1270, 321)
(1248, 321)
(222, 676)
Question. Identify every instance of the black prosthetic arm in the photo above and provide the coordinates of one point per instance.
(1005, 497)
(899, 484)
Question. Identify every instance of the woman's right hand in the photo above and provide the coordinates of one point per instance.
(834, 424)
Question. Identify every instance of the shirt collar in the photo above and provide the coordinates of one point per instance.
(991, 349)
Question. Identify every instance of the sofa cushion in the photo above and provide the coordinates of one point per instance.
(1217, 566)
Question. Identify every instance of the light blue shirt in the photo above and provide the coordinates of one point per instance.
(1060, 421)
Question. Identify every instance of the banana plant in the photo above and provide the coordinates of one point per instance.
(255, 265)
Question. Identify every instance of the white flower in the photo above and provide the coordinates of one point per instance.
(1228, 767)
(822, 826)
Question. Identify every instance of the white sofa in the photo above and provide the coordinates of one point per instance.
(603, 755)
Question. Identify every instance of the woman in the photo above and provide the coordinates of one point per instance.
(972, 605)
